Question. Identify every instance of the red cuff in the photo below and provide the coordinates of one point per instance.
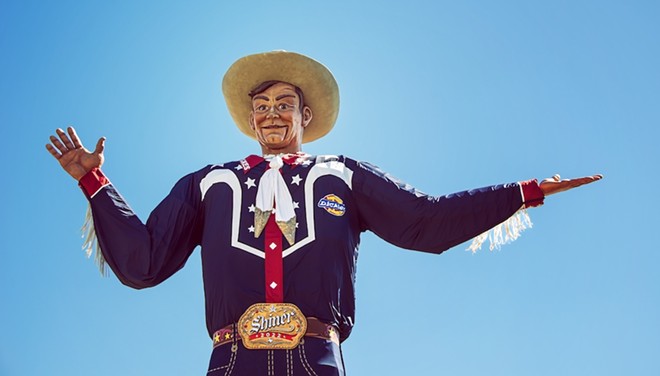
(532, 193)
(93, 181)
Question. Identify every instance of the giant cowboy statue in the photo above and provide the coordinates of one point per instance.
(279, 231)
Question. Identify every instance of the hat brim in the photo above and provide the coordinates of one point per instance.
(319, 87)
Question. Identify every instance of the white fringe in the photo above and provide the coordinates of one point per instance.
(91, 243)
(504, 233)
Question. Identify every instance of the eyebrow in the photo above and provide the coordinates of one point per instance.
(277, 98)
(284, 96)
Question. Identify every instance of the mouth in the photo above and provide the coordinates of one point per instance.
(274, 126)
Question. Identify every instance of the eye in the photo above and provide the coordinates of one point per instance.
(283, 106)
(261, 108)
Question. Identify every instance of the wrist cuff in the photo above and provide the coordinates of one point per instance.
(93, 181)
(532, 193)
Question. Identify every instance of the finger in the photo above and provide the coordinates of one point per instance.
(74, 137)
(53, 152)
(590, 179)
(61, 148)
(555, 179)
(65, 139)
(574, 183)
(100, 146)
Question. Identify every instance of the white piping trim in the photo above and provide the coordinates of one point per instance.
(320, 169)
(99, 190)
(333, 168)
(228, 177)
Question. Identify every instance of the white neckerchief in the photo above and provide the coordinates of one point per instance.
(273, 196)
(273, 192)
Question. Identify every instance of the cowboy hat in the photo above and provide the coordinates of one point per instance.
(319, 87)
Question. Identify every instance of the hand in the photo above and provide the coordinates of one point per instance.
(73, 157)
(556, 184)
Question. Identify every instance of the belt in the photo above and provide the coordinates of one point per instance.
(315, 328)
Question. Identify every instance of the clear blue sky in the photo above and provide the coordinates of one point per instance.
(445, 95)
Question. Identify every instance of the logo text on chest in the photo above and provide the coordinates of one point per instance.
(333, 204)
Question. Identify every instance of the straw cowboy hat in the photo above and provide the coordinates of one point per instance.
(320, 90)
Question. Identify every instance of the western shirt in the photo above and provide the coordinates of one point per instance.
(335, 199)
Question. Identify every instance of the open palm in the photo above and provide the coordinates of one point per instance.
(75, 159)
(556, 184)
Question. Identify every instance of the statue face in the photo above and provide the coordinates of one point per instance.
(277, 119)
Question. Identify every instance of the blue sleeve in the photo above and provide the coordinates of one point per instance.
(145, 255)
(408, 218)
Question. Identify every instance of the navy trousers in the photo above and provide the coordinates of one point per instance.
(314, 357)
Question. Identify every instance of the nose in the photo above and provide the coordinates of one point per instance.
(272, 112)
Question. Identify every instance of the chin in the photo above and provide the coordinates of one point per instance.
(276, 141)
(275, 146)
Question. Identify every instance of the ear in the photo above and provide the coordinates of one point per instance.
(251, 121)
(306, 116)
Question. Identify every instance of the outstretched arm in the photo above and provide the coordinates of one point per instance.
(410, 219)
(72, 155)
(141, 255)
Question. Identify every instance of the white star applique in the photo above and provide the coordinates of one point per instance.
(251, 228)
(250, 183)
(296, 224)
(295, 205)
(238, 167)
(296, 180)
(251, 208)
(307, 163)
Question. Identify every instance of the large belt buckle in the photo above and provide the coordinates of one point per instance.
(272, 326)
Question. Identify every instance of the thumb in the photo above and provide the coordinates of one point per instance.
(100, 146)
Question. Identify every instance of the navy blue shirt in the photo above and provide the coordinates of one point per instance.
(335, 200)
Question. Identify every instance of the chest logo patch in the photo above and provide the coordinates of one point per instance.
(333, 204)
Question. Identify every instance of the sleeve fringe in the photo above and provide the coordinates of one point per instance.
(504, 233)
(91, 243)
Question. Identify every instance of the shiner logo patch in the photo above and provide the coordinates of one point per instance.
(333, 205)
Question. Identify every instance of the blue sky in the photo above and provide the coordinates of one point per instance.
(444, 95)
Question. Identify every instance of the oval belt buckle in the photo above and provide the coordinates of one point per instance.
(272, 326)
